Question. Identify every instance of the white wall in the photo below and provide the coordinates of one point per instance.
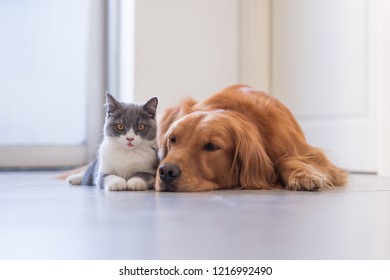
(255, 43)
(185, 48)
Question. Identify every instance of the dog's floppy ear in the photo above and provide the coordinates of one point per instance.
(165, 121)
(162, 147)
(172, 114)
(252, 167)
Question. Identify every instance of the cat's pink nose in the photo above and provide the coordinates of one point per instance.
(129, 139)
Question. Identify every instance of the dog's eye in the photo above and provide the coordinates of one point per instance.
(210, 147)
(172, 139)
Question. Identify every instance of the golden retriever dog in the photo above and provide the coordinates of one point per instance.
(239, 138)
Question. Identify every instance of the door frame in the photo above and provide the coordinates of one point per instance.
(380, 43)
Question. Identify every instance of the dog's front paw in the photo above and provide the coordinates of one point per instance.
(307, 180)
(115, 183)
(136, 184)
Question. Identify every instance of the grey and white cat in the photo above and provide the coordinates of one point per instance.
(127, 158)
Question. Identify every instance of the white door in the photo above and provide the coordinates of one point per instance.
(51, 82)
(323, 70)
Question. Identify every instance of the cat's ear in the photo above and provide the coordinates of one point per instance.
(112, 105)
(151, 106)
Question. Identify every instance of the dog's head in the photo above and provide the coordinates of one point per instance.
(212, 150)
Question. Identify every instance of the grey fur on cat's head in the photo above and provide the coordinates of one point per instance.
(122, 117)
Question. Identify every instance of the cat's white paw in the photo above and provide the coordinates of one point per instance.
(136, 184)
(75, 179)
(114, 183)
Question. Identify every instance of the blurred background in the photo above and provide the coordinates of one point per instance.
(327, 60)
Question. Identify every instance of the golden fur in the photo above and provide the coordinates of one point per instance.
(239, 138)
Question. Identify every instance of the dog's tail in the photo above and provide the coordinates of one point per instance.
(64, 175)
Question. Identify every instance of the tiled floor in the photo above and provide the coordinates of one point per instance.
(44, 218)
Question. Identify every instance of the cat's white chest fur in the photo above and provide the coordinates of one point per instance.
(116, 159)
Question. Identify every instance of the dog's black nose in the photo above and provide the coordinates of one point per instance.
(169, 172)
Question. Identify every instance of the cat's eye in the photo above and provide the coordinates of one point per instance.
(120, 127)
(141, 127)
